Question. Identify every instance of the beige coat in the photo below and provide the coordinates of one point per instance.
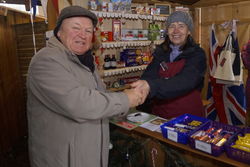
(68, 111)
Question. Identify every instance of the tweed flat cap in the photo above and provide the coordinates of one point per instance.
(74, 11)
(180, 16)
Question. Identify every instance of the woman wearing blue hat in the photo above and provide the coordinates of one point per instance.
(173, 80)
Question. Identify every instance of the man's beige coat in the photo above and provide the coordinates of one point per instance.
(68, 111)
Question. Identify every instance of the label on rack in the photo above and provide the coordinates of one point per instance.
(206, 147)
(172, 135)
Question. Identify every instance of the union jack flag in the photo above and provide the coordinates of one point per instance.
(227, 102)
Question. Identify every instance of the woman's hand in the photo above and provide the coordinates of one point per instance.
(143, 86)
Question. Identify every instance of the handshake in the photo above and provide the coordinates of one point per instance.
(138, 92)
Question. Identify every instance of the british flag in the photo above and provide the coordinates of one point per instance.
(227, 102)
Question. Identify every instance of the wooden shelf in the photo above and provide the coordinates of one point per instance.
(118, 44)
(129, 16)
(120, 71)
(119, 89)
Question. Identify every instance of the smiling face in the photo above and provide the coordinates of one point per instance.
(76, 34)
(178, 33)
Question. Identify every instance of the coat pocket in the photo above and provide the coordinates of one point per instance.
(71, 154)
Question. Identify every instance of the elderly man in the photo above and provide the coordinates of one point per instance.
(68, 107)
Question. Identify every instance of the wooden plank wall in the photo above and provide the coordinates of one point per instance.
(25, 46)
(218, 14)
(13, 123)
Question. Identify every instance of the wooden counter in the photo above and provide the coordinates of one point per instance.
(223, 160)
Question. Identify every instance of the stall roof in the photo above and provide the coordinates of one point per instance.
(195, 3)
(204, 3)
(17, 1)
(13, 1)
(25, 2)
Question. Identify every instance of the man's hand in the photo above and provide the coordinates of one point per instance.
(142, 86)
(135, 97)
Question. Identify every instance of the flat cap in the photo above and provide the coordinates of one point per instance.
(180, 16)
(74, 11)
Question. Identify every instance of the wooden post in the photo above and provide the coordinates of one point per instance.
(52, 15)
(27, 5)
(70, 2)
(248, 118)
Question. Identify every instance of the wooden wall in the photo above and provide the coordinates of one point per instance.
(13, 124)
(219, 14)
(25, 47)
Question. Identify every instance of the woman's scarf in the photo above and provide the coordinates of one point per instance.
(175, 52)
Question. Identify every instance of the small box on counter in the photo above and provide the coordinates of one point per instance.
(238, 147)
(178, 129)
(212, 137)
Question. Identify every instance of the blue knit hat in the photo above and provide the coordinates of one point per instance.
(180, 16)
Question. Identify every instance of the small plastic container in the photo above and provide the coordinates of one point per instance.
(211, 148)
(180, 137)
(237, 154)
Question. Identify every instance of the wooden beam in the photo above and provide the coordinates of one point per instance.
(206, 3)
(52, 15)
(13, 1)
(70, 2)
(182, 2)
(242, 20)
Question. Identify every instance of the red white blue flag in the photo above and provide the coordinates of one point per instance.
(227, 102)
(214, 49)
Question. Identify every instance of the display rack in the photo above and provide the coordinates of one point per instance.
(129, 16)
(117, 44)
(114, 46)
(120, 71)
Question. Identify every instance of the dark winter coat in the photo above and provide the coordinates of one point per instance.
(186, 78)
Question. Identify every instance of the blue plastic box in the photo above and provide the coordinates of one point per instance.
(179, 136)
(237, 154)
(211, 148)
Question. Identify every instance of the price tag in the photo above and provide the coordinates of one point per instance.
(172, 135)
(203, 146)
